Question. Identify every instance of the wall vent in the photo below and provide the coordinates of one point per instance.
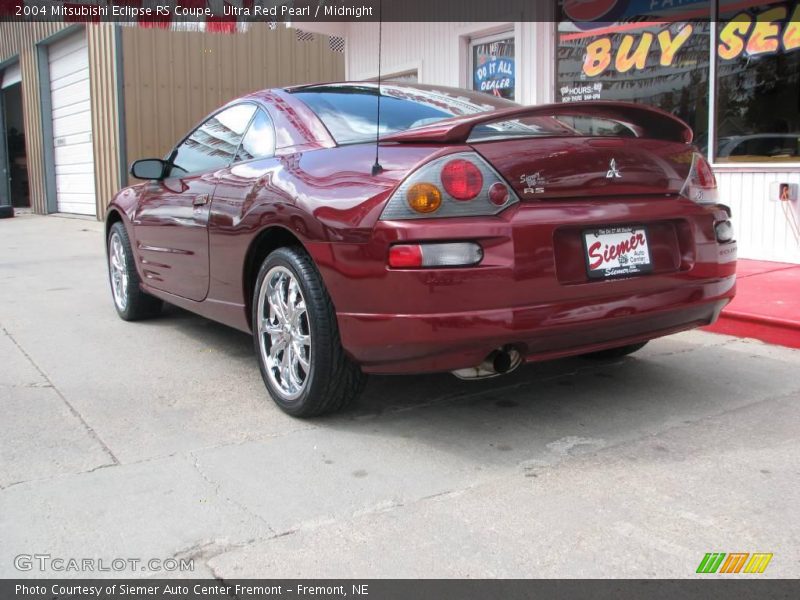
(336, 44)
(304, 36)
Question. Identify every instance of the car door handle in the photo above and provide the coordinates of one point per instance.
(200, 200)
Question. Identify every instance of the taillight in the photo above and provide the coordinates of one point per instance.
(700, 185)
(403, 256)
(455, 185)
(498, 194)
(424, 197)
(462, 179)
(705, 175)
(447, 254)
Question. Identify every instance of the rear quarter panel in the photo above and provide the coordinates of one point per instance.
(322, 197)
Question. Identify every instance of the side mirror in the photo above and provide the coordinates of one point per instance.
(149, 168)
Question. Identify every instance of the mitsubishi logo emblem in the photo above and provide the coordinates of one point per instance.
(612, 170)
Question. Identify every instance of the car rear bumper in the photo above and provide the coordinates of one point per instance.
(531, 290)
(449, 341)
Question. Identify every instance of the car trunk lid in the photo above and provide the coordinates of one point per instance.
(569, 167)
(573, 149)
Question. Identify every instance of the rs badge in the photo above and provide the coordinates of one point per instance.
(534, 183)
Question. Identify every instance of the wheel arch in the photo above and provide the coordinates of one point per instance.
(112, 216)
(266, 241)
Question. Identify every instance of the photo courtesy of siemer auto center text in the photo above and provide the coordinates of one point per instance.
(399, 300)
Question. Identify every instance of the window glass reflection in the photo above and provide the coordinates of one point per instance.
(213, 144)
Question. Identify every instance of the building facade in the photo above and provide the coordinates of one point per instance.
(80, 102)
(735, 80)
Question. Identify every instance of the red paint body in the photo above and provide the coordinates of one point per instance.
(531, 289)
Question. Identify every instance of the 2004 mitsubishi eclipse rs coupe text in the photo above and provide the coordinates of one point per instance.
(475, 235)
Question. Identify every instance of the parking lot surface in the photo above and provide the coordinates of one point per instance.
(157, 440)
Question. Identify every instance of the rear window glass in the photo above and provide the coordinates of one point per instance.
(524, 127)
(596, 126)
(350, 112)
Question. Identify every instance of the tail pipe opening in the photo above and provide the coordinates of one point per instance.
(498, 362)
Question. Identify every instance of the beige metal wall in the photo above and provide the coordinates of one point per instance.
(105, 113)
(173, 79)
(170, 81)
(20, 39)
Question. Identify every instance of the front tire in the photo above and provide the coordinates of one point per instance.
(296, 338)
(131, 302)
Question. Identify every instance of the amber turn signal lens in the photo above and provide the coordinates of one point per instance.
(424, 197)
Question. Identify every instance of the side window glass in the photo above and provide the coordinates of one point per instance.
(259, 142)
(213, 144)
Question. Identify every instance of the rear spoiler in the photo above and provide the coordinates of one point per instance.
(645, 121)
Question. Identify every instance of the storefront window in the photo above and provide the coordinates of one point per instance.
(758, 84)
(493, 69)
(665, 65)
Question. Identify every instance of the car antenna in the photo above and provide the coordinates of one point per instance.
(377, 168)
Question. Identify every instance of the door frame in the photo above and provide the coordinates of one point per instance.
(46, 105)
(5, 166)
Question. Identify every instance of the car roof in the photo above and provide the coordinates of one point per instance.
(368, 84)
(455, 92)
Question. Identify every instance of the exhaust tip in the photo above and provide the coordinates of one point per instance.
(498, 362)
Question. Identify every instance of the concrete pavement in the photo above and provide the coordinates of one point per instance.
(157, 440)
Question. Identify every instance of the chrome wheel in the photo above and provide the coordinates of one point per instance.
(284, 332)
(118, 268)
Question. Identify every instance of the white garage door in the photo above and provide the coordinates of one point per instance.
(72, 125)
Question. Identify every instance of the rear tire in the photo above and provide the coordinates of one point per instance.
(131, 302)
(615, 352)
(296, 338)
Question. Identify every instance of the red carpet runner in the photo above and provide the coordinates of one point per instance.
(767, 304)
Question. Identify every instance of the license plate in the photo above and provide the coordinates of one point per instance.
(616, 252)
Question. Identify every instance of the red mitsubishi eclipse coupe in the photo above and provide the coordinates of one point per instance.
(475, 235)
